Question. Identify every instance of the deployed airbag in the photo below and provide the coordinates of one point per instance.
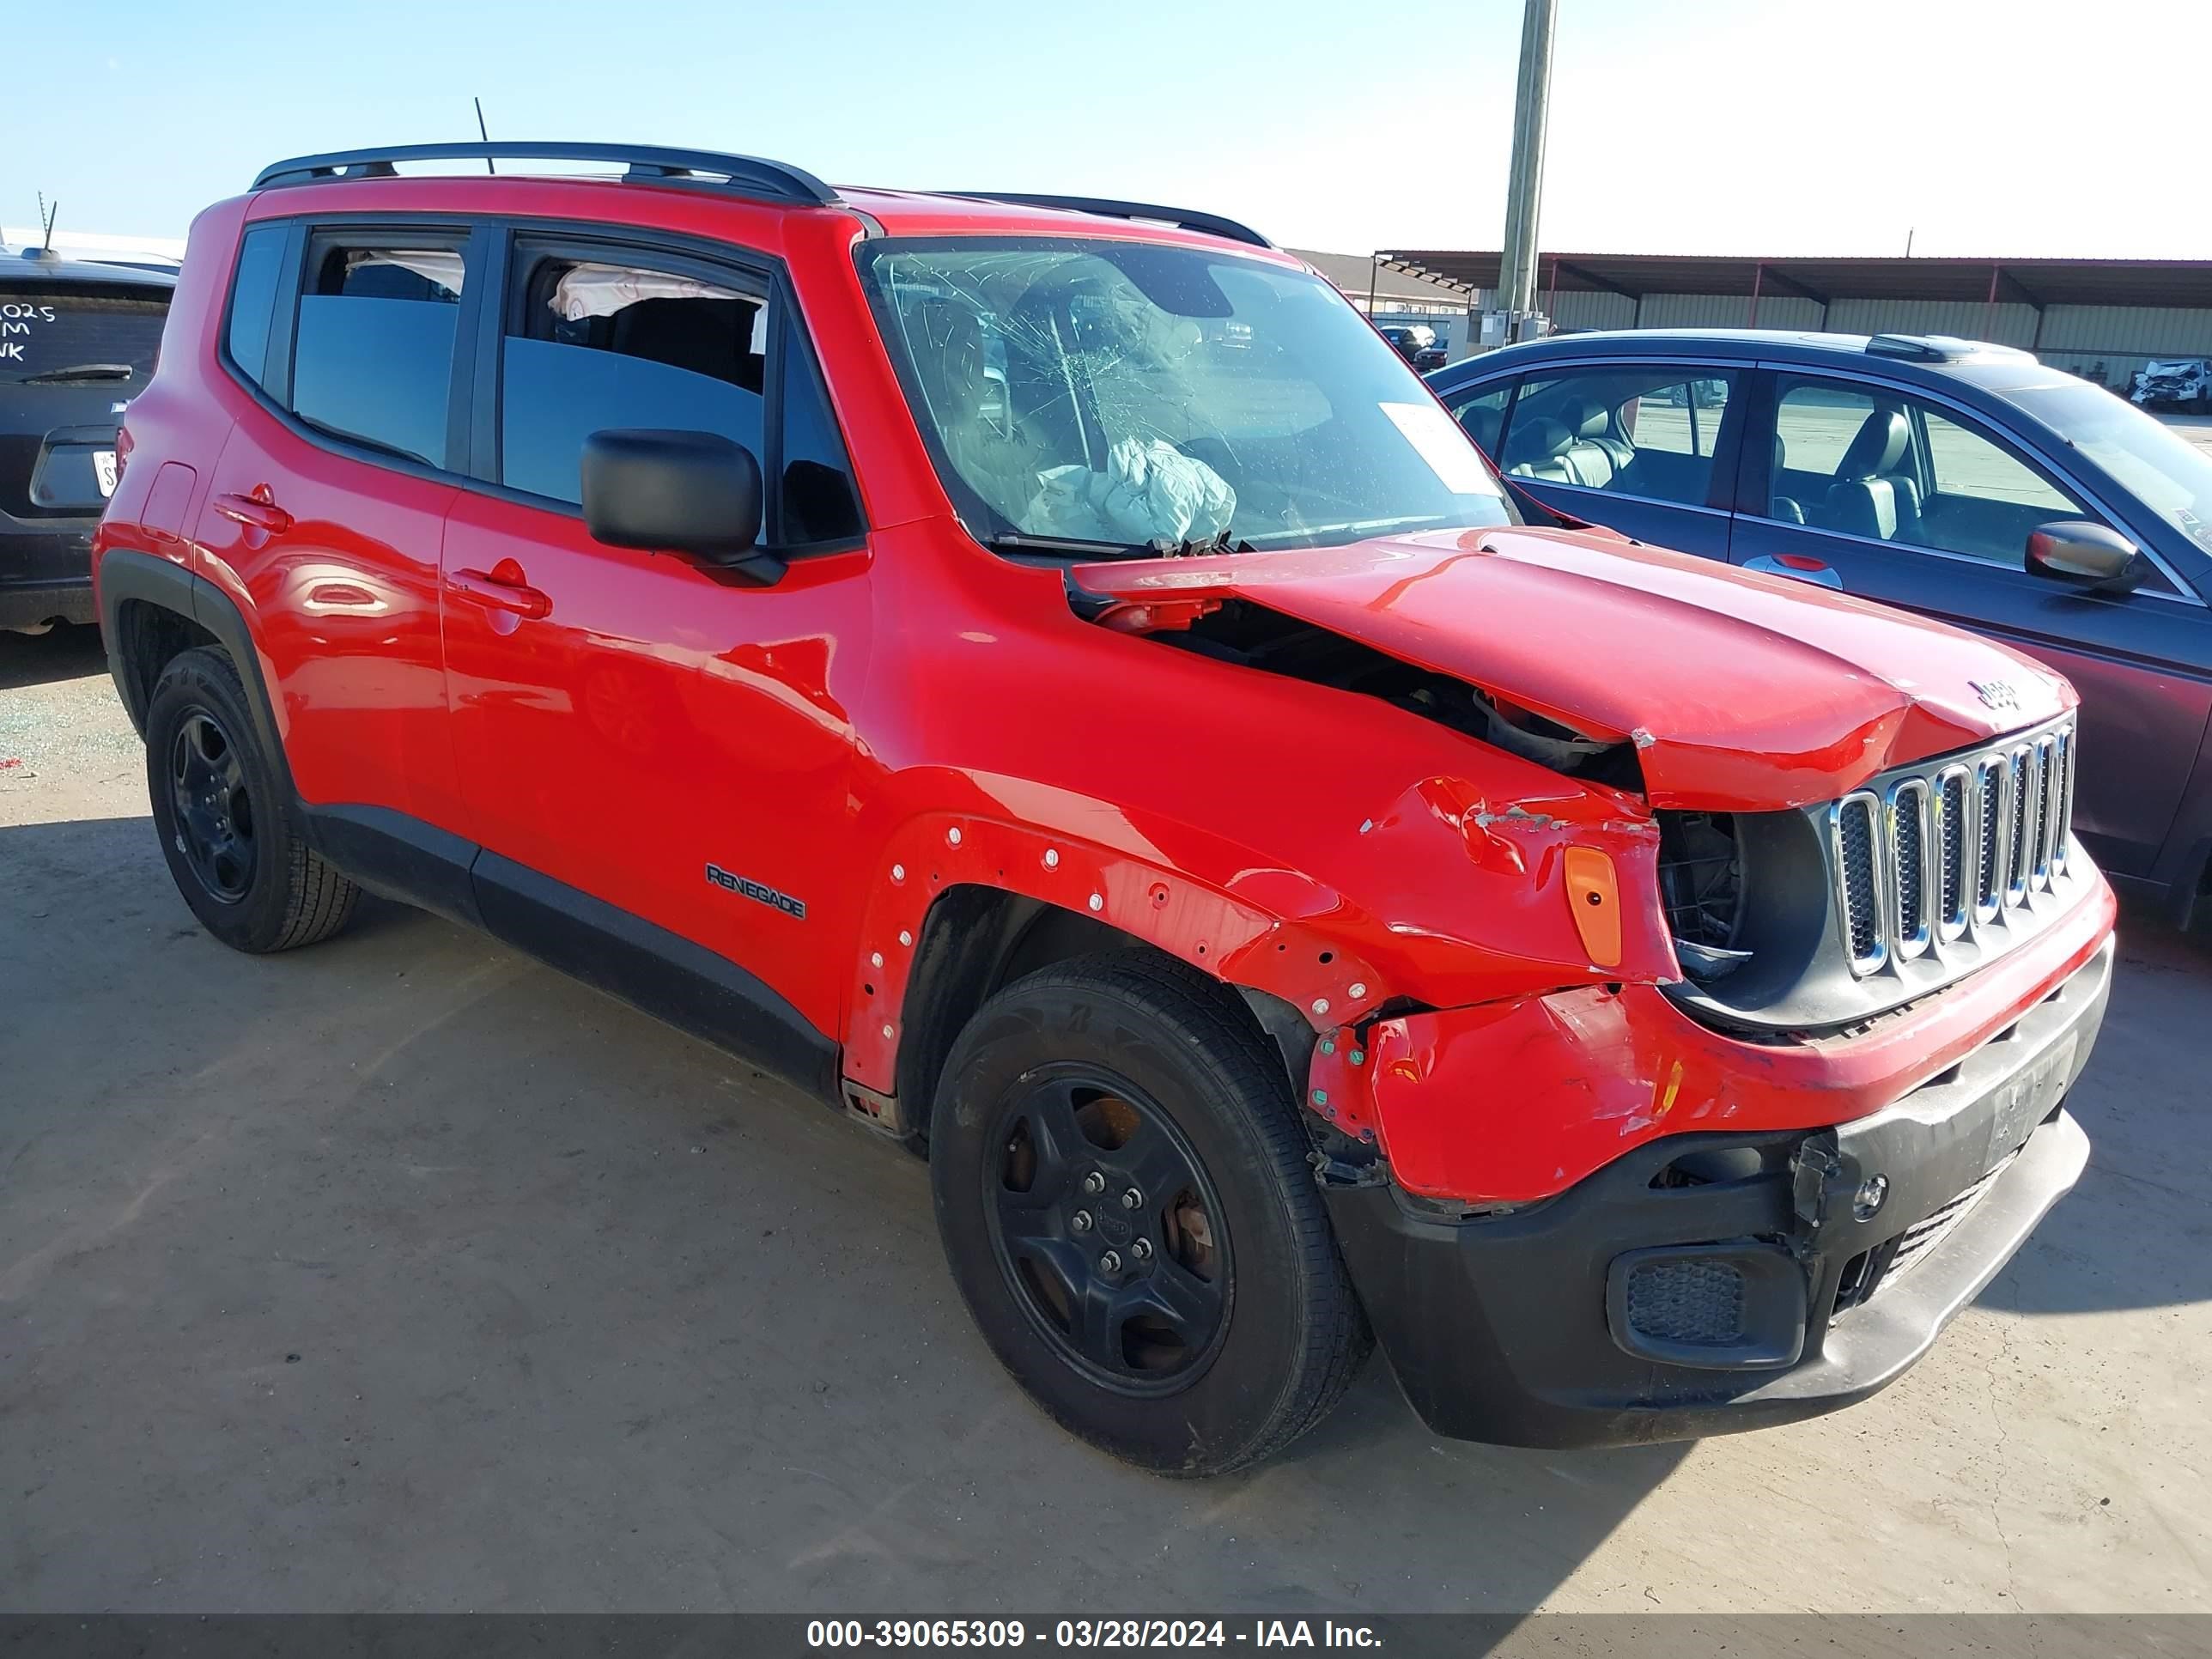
(1150, 491)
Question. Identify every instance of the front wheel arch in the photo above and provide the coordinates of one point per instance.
(933, 857)
(976, 940)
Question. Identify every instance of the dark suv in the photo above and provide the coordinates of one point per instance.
(1045, 678)
(77, 342)
(1968, 481)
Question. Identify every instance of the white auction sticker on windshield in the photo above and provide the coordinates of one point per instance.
(1454, 460)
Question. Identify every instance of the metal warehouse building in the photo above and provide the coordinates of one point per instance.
(2074, 314)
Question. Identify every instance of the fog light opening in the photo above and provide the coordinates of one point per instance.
(1873, 1194)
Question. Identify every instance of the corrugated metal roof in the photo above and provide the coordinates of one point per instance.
(1352, 273)
(2166, 282)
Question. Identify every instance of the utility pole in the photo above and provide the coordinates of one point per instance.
(1514, 315)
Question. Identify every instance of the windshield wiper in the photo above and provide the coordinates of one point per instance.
(79, 372)
(1015, 541)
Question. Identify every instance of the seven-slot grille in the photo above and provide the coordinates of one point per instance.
(1930, 856)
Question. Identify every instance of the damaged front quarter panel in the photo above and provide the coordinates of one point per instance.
(1511, 904)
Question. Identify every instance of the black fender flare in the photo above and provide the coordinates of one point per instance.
(125, 577)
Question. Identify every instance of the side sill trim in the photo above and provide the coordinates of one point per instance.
(661, 973)
(655, 971)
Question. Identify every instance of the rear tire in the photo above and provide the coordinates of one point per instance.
(1122, 1189)
(226, 824)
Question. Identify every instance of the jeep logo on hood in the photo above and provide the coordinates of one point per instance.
(1995, 694)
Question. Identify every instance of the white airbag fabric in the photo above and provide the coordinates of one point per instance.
(1150, 491)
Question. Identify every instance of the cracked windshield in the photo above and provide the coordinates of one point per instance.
(1145, 400)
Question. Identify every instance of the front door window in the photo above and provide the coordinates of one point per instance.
(1882, 465)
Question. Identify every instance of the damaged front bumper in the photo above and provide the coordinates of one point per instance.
(1709, 1282)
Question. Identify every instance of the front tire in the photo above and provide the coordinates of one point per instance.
(234, 845)
(1122, 1189)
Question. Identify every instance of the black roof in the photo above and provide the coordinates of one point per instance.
(36, 270)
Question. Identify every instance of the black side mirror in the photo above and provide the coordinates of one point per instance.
(2073, 550)
(694, 493)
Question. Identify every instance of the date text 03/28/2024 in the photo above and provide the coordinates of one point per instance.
(1087, 1633)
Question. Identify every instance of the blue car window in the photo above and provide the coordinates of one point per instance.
(1648, 431)
(1886, 466)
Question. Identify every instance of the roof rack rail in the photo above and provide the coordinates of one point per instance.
(1212, 223)
(743, 175)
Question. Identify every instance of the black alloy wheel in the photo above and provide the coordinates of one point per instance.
(1108, 1228)
(230, 827)
(214, 814)
(1123, 1187)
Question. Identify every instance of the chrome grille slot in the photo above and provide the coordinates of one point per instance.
(1942, 854)
(2064, 815)
(1990, 777)
(1954, 852)
(2047, 818)
(1857, 826)
(2020, 824)
(1912, 872)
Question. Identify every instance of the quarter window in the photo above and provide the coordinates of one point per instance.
(253, 298)
(600, 344)
(374, 356)
(817, 500)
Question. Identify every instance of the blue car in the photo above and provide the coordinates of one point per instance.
(1966, 482)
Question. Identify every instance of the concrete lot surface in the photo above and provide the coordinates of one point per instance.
(401, 1273)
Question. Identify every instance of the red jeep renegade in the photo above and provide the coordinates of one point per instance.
(1045, 676)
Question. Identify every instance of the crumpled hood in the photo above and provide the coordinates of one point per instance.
(1741, 692)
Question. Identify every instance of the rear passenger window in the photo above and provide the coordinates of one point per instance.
(1681, 420)
(374, 355)
(1650, 432)
(596, 345)
(253, 298)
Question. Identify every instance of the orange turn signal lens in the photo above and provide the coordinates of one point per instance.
(1594, 890)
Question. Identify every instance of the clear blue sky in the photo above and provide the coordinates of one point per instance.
(1788, 126)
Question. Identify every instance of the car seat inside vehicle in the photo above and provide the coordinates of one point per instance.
(1537, 449)
(1572, 449)
(1598, 458)
(1871, 496)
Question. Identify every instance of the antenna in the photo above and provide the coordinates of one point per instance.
(46, 218)
(482, 133)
